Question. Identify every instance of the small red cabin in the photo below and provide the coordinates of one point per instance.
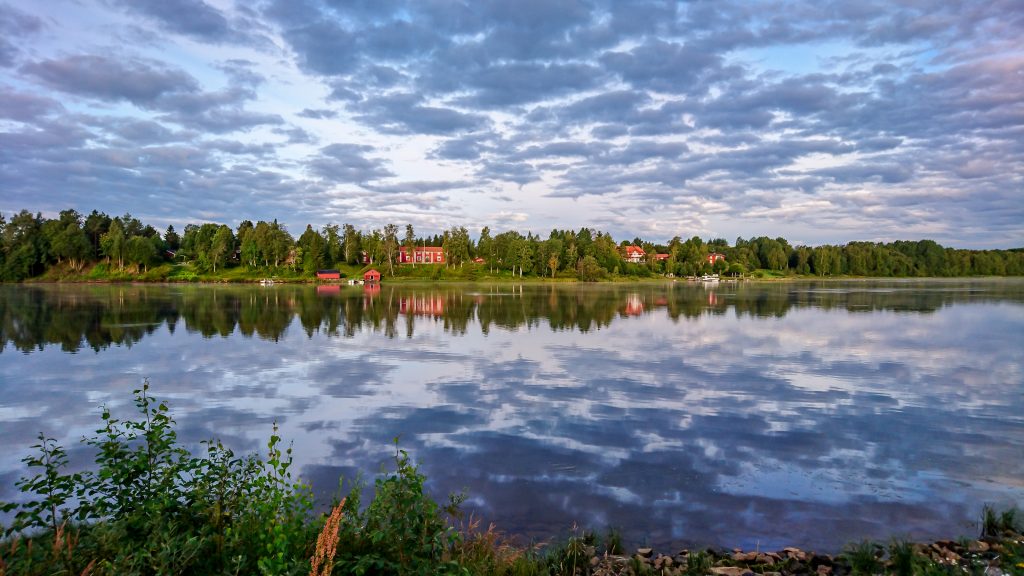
(371, 277)
(328, 274)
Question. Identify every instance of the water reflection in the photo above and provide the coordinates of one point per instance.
(741, 414)
(95, 317)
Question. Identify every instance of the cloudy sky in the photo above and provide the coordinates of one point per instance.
(824, 121)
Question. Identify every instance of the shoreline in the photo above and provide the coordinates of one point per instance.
(994, 555)
(403, 281)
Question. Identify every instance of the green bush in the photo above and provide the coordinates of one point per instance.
(401, 531)
(150, 507)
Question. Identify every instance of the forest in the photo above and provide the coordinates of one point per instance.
(106, 247)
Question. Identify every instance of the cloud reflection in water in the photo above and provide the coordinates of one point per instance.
(753, 414)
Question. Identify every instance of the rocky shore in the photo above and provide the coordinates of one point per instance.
(990, 556)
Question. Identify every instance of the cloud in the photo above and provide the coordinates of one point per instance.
(404, 114)
(318, 114)
(665, 66)
(15, 25)
(193, 18)
(347, 163)
(420, 187)
(631, 108)
(141, 82)
(521, 83)
(26, 107)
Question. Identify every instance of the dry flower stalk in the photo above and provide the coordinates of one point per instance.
(322, 561)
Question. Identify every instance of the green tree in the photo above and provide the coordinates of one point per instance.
(114, 244)
(456, 246)
(351, 244)
(485, 248)
(333, 248)
(314, 249)
(221, 246)
(23, 249)
(95, 226)
(410, 243)
(588, 269)
(141, 252)
(172, 240)
(553, 251)
(389, 246)
(69, 241)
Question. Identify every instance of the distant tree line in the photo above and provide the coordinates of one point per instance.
(30, 245)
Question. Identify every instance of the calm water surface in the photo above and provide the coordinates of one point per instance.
(809, 414)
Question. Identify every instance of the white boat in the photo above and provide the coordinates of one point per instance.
(266, 282)
(709, 278)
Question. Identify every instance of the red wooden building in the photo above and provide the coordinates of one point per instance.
(634, 254)
(715, 257)
(371, 277)
(328, 274)
(421, 255)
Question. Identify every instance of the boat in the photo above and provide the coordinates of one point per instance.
(266, 282)
(709, 278)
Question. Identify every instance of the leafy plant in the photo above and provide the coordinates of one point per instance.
(402, 530)
(863, 557)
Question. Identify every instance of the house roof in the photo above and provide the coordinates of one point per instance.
(635, 250)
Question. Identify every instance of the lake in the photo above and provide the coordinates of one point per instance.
(750, 414)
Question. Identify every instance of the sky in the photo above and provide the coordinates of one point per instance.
(822, 122)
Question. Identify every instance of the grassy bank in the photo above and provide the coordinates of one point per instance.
(185, 273)
(149, 506)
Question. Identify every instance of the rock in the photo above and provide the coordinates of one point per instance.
(731, 571)
(744, 556)
(796, 553)
(824, 570)
(821, 560)
(645, 552)
(978, 546)
(764, 559)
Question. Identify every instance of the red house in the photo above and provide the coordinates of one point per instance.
(660, 257)
(421, 255)
(371, 277)
(634, 254)
(328, 274)
(715, 257)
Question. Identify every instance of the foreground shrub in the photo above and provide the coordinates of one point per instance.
(150, 507)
